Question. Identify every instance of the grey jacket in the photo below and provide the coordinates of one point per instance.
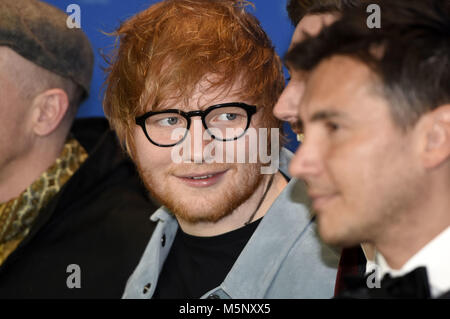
(284, 258)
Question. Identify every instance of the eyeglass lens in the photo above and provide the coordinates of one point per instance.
(225, 123)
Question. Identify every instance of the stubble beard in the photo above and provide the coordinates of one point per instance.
(211, 206)
(375, 223)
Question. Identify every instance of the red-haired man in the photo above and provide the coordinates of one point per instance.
(228, 229)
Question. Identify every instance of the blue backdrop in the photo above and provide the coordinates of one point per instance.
(99, 16)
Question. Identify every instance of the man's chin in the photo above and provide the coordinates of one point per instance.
(207, 208)
(198, 218)
(339, 241)
(204, 204)
(194, 213)
(337, 235)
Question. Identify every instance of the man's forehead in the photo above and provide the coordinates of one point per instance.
(201, 102)
(334, 83)
(203, 95)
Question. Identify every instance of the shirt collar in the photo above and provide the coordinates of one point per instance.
(435, 256)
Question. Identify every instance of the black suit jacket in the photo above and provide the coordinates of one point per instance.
(99, 221)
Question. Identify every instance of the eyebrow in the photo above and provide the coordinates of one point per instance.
(324, 115)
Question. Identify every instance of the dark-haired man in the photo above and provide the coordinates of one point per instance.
(376, 155)
(310, 17)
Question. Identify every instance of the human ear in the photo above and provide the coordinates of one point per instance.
(437, 137)
(49, 108)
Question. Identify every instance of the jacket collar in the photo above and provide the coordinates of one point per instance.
(105, 156)
(287, 219)
(279, 230)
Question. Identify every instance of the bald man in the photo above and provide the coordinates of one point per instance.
(73, 215)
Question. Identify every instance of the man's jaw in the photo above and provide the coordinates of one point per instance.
(202, 209)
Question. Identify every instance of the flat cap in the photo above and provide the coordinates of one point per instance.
(39, 33)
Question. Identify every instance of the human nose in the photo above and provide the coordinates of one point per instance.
(287, 106)
(307, 161)
(198, 142)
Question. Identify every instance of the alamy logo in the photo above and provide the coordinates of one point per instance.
(74, 279)
(246, 149)
(373, 279)
(74, 19)
(374, 19)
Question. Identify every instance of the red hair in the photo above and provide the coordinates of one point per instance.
(166, 50)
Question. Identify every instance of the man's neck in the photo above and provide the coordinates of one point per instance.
(401, 242)
(18, 174)
(243, 213)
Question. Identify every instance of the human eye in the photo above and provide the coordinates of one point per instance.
(228, 117)
(331, 126)
(168, 121)
(297, 127)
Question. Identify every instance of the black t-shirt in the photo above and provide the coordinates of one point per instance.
(196, 265)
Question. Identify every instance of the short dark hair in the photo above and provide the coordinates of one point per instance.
(297, 9)
(410, 53)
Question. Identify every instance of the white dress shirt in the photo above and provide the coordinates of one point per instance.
(435, 256)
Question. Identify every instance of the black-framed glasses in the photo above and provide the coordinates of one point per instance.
(223, 122)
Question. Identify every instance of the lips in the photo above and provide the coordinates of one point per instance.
(205, 179)
(321, 200)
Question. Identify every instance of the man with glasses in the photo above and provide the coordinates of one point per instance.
(189, 92)
(218, 120)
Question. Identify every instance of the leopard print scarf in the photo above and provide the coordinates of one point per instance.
(18, 214)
